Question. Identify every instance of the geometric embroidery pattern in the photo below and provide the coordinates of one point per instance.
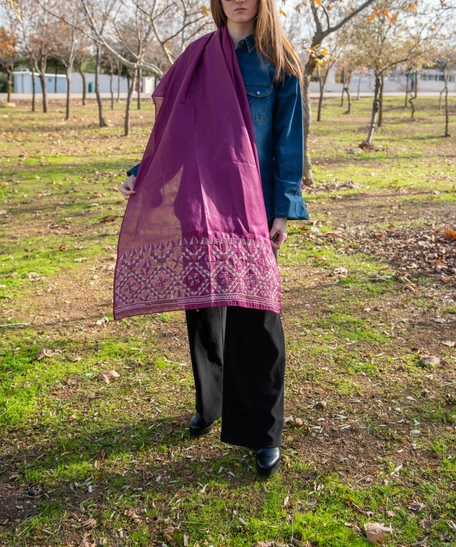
(196, 272)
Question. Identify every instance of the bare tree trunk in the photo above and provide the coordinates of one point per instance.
(9, 84)
(42, 77)
(55, 78)
(406, 89)
(347, 91)
(139, 88)
(68, 93)
(111, 88)
(359, 87)
(97, 88)
(321, 86)
(84, 85)
(33, 91)
(380, 99)
(447, 111)
(375, 108)
(322, 83)
(416, 84)
(128, 107)
(307, 113)
(118, 81)
(413, 106)
(343, 88)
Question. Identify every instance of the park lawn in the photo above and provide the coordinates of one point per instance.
(368, 291)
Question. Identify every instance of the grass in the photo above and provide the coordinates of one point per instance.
(369, 432)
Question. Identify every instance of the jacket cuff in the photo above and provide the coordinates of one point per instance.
(133, 170)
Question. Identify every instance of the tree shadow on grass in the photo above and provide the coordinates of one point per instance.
(156, 457)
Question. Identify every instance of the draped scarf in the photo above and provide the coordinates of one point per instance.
(195, 233)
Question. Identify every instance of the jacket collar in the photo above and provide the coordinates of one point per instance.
(249, 41)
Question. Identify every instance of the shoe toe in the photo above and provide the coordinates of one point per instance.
(268, 461)
(198, 427)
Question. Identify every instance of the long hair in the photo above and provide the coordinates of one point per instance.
(270, 38)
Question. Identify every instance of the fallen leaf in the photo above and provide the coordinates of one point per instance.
(86, 542)
(74, 358)
(375, 532)
(429, 361)
(108, 375)
(104, 377)
(449, 343)
(109, 218)
(103, 321)
(411, 287)
(439, 320)
(390, 514)
(90, 523)
(168, 532)
(44, 354)
(426, 524)
(416, 506)
(131, 513)
(341, 271)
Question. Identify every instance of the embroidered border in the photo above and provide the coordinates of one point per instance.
(196, 272)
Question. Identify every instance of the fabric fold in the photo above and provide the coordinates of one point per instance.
(195, 233)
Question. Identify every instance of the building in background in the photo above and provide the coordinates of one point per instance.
(56, 83)
(429, 81)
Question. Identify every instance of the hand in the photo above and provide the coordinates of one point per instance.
(278, 233)
(126, 188)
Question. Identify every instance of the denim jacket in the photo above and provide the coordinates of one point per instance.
(277, 117)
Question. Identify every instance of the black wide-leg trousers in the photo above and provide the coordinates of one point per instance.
(238, 361)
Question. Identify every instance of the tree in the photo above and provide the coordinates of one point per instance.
(134, 34)
(349, 63)
(112, 65)
(66, 46)
(126, 28)
(325, 18)
(326, 59)
(446, 61)
(390, 35)
(82, 59)
(13, 6)
(37, 38)
(8, 56)
(98, 13)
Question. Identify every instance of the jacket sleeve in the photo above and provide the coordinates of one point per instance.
(289, 150)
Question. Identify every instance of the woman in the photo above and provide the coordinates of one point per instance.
(220, 177)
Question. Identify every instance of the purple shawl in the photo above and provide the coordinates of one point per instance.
(195, 233)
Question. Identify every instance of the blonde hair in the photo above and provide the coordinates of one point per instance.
(270, 39)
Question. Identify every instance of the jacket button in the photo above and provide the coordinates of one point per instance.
(258, 93)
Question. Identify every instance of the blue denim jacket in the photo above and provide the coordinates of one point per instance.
(277, 117)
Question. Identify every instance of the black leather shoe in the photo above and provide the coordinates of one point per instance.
(268, 461)
(198, 427)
